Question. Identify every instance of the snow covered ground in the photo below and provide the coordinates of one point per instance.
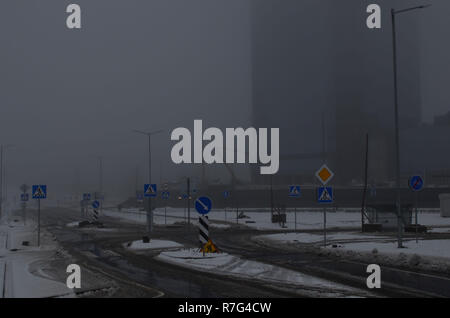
(229, 265)
(432, 252)
(160, 217)
(306, 238)
(306, 219)
(434, 248)
(16, 261)
(152, 245)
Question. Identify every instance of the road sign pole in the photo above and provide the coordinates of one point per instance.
(203, 227)
(295, 218)
(416, 197)
(165, 215)
(24, 211)
(189, 200)
(225, 209)
(39, 222)
(324, 227)
(203, 205)
(416, 184)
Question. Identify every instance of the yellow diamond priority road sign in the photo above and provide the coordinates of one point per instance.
(324, 174)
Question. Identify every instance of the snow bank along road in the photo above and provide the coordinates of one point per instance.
(102, 250)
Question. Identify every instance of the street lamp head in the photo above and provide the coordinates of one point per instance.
(139, 132)
(410, 9)
(150, 133)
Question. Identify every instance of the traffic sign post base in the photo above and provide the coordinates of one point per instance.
(209, 247)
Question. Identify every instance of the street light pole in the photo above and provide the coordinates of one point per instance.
(396, 118)
(1, 181)
(2, 174)
(149, 205)
(100, 174)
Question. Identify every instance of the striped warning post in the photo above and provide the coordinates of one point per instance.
(95, 215)
(203, 226)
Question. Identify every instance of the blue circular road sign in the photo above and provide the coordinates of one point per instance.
(416, 183)
(96, 204)
(203, 205)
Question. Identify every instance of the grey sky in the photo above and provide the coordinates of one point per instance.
(69, 96)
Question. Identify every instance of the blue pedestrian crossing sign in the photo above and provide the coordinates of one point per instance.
(294, 191)
(24, 197)
(325, 195)
(416, 183)
(150, 190)
(39, 191)
(95, 204)
(87, 196)
(165, 194)
(226, 194)
(203, 205)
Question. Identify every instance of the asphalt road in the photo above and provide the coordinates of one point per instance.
(103, 251)
(139, 275)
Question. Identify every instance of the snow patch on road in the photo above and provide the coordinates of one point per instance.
(229, 265)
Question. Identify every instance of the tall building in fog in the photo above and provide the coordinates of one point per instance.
(316, 62)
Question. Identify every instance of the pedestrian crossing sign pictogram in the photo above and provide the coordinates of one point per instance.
(39, 191)
(324, 174)
(150, 190)
(325, 195)
(294, 191)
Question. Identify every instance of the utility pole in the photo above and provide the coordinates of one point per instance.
(396, 118)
